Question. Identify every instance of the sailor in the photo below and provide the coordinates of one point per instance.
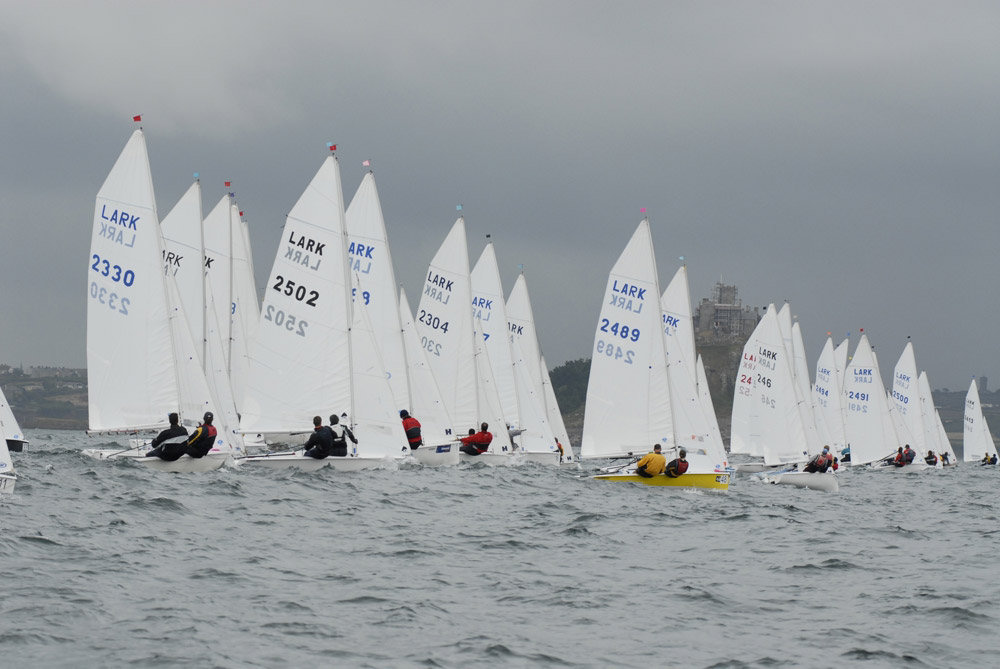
(677, 466)
(931, 459)
(836, 464)
(651, 464)
(203, 439)
(320, 443)
(477, 443)
(559, 447)
(820, 463)
(412, 428)
(175, 430)
(845, 454)
(341, 433)
(900, 459)
(988, 459)
(945, 459)
(909, 454)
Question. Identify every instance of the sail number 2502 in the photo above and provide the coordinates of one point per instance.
(287, 321)
(299, 292)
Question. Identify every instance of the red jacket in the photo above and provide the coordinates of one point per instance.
(412, 428)
(481, 440)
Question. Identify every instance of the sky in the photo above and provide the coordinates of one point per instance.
(843, 156)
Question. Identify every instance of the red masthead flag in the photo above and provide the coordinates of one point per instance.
(137, 118)
(228, 184)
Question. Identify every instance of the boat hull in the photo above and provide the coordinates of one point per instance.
(543, 458)
(183, 465)
(811, 480)
(7, 482)
(491, 459)
(15, 445)
(437, 456)
(308, 464)
(712, 481)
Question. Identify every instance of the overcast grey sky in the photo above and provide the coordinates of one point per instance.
(842, 155)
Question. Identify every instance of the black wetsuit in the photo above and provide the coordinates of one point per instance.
(320, 443)
(201, 442)
(340, 435)
(159, 447)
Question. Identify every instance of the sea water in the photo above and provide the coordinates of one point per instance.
(109, 564)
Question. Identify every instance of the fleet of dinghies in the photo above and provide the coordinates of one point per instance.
(174, 324)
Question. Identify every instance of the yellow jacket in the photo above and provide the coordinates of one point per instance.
(655, 463)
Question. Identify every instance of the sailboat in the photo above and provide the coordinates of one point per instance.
(141, 360)
(440, 446)
(301, 359)
(8, 479)
(10, 431)
(524, 337)
(868, 427)
(977, 437)
(628, 408)
(455, 348)
(935, 436)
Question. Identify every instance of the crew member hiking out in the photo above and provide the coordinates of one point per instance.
(202, 439)
(320, 442)
(477, 442)
(651, 464)
(412, 428)
(820, 463)
(677, 466)
(341, 433)
(175, 430)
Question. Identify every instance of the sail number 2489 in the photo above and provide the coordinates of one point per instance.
(615, 352)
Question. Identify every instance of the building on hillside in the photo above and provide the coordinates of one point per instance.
(722, 318)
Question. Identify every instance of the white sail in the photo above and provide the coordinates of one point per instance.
(905, 398)
(488, 407)
(977, 440)
(553, 413)
(300, 357)
(244, 310)
(489, 310)
(444, 324)
(10, 432)
(936, 439)
(222, 404)
(803, 390)
(709, 407)
(691, 424)
(827, 399)
(425, 400)
(776, 428)
(628, 400)
(376, 412)
(132, 382)
(217, 233)
(370, 261)
(868, 427)
(521, 321)
(745, 399)
(840, 359)
(537, 436)
(183, 259)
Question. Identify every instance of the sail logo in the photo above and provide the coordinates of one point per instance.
(482, 309)
(362, 263)
(515, 328)
(301, 250)
(438, 287)
(767, 353)
(670, 322)
(118, 225)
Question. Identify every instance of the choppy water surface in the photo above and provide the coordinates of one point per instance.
(108, 564)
